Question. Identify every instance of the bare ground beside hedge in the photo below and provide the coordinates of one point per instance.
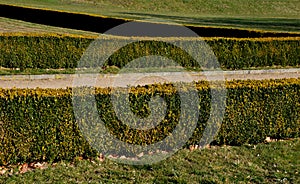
(64, 81)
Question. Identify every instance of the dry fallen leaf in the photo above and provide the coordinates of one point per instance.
(31, 165)
(268, 139)
(38, 165)
(207, 146)
(24, 168)
(112, 156)
(2, 171)
(122, 157)
(101, 157)
(140, 155)
(164, 152)
(192, 147)
(42, 165)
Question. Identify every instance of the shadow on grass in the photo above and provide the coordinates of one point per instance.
(102, 24)
(276, 24)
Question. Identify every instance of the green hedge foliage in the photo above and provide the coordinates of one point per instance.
(56, 51)
(39, 124)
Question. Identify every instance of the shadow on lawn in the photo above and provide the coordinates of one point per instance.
(102, 24)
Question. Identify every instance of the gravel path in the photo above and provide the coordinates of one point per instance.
(106, 80)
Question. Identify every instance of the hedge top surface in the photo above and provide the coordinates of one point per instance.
(103, 36)
(200, 85)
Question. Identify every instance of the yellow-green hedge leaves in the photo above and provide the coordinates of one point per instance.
(39, 124)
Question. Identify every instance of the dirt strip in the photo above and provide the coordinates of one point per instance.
(133, 79)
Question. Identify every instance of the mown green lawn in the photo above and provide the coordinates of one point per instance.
(240, 8)
(278, 15)
(11, 25)
(275, 162)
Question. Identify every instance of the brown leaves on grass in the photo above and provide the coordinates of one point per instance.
(31, 166)
(269, 139)
(101, 157)
(195, 147)
(22, 168)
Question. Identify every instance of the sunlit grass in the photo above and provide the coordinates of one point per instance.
(274, 15)
(276, 162)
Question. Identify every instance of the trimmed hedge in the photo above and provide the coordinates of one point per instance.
(39, 124)
(65, 51)
(41, 51)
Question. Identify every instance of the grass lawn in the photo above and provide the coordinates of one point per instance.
(275, 162)
(274, 15)
(11, 25)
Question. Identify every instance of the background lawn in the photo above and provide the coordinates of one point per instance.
(276, 15)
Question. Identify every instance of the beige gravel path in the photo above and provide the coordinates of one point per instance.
(106, 80)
